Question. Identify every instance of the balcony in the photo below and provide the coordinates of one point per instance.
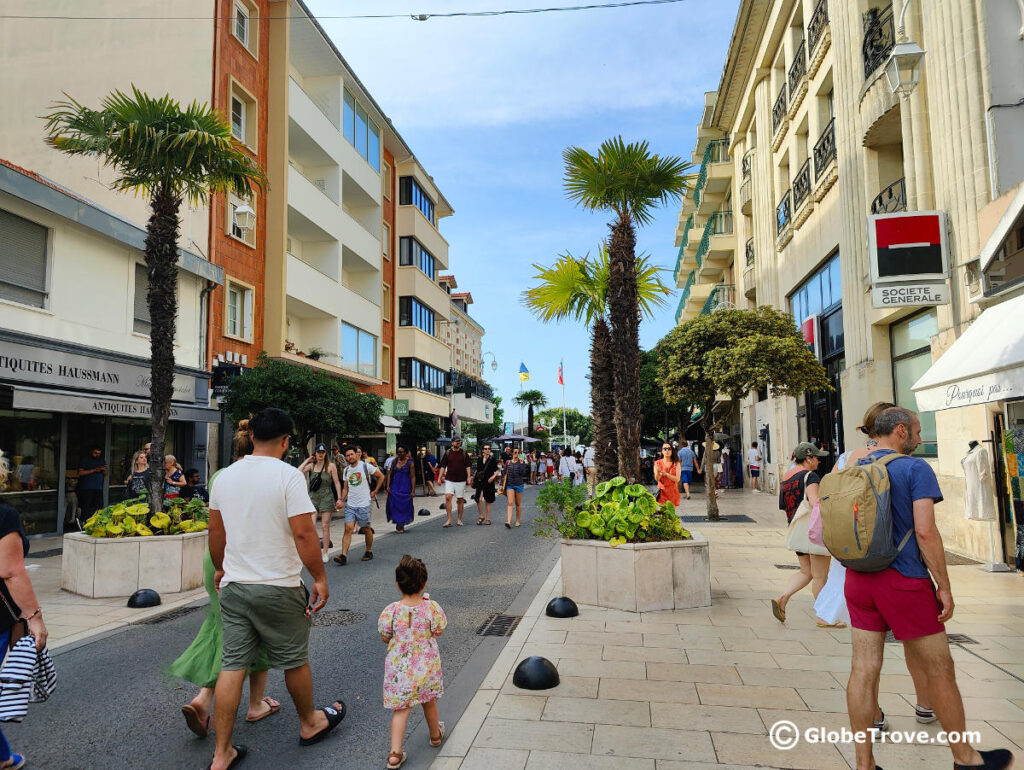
(780, 120)
(803, 202)
(784, 221)
(411, 222)
(749, 274)
(710, 179)
(879, 39)
(695, 301)
(819, 37)
(746, 186)
(797, 79)
(892, 199)
(459, 381)
(722, 296)
(825, 169)
(685, 295)
(715, 252)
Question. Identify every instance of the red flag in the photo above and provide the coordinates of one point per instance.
(560, 380)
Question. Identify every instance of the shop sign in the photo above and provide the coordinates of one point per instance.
(400, 407)
(56, 401)
(56, 368)
(910, 294)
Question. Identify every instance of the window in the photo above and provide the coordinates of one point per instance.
(385, 363)
(385, 240)
(22, 260)
(238, 310)
(413, 373)
(819, 293)
(386, 180)
(242, 24)
(246, 236)
(358, 350)
(411, 194)
(412, 312)
(243, 116)
(385, 302)
(411, 253)
(360, 131)
(140, 321)
(911, 358)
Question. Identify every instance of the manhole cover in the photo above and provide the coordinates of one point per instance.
(172, 615)
(787, 566)
(731, 519)
(499, 625)
(337, 618)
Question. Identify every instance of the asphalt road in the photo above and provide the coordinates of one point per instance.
(115, 707)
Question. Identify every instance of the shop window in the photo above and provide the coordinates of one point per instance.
(238, 310)
(911, 358)
(30, 442)
(140, 320)
(23, 247)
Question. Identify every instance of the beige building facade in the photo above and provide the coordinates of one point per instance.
(801, 146)
(472, 397)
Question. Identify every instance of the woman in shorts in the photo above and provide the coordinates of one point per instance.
(514, 481)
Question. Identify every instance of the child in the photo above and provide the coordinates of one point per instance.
(412, 669)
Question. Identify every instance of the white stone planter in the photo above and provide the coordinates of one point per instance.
(101, 567)
(638, 577)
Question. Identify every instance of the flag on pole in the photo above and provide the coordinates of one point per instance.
(560, 380)
(524, 373)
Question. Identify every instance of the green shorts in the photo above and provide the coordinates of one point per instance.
(273, 616)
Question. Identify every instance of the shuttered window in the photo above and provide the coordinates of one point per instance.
(141, 323)
(22, 260)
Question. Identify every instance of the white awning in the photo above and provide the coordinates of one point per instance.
(390, 424)
(1002, 230)
(985, 364)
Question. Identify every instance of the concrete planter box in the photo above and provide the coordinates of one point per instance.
(638, 577)
(100, 568)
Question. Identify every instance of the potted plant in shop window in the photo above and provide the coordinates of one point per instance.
(624, 550)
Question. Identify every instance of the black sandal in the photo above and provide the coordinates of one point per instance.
(240, 752)
(334, 717)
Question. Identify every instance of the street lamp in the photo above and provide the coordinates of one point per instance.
(244, 217)
(494, 363)
(903, 70)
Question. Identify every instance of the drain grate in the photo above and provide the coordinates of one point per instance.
(499, 625)
(172, 615)
(787, 566)
(731, 519)
(953, 638)
(337, 618)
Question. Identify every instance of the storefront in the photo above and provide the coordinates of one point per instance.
(57, 401)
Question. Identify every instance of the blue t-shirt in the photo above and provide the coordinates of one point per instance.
(687, 458)
(910, 479)
(92, 481)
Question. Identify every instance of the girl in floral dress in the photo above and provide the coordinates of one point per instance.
(412, 669)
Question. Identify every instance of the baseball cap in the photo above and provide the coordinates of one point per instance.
(805, 449)
(321, 447)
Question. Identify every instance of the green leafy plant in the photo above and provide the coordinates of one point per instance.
(619, 513)
(133, 518)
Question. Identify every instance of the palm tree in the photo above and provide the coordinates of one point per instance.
(577, 289)
(530, 399)
(629, 182)
(169, 154)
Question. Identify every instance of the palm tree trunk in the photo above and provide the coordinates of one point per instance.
(162, 300)
(602, 401)
(529, 420)
(709, 468)
(623, 309)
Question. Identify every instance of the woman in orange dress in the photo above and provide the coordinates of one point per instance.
(666, 474)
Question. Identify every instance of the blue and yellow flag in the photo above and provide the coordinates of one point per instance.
(524, 373)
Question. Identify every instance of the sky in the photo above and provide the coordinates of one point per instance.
(487, 104)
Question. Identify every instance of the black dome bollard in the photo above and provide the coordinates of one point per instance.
(535, 673)
(423, 512)
(562, 607)
(144, 597)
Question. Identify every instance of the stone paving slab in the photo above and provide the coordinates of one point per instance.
(700, 689)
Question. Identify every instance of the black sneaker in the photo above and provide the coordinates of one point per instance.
(995, 759)
(368, 556)
(341, 559)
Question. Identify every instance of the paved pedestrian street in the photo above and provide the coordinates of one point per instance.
(696, 689)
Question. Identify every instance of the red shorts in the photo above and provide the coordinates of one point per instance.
(880, 601)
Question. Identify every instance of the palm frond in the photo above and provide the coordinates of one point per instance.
(153, 143)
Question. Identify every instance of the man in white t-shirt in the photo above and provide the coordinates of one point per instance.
(356, 495)
(754, 465)
(261, 535)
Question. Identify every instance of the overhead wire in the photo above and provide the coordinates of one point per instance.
(370, 16)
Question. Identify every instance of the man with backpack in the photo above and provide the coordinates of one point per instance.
(356, 496)
(878, 518)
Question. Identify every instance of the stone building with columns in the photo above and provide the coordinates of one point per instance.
(803, 144)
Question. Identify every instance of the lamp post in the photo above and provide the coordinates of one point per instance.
(451, 371)
(244, 218)
(903, 73)
(494, 362)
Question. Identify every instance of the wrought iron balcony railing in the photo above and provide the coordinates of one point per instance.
(879, 38)
(719, 223)
(892, 199)
(717, 151)
(722, 295)
(825, 149)
(779, 110)
(802, 184)
(816, 26)
(783, 212)
(798, 68)
(746, 163)
(750, 252)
